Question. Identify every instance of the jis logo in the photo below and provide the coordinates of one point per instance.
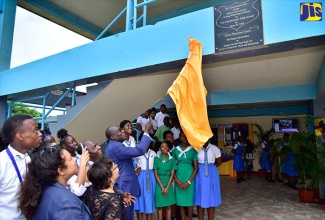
(311, 11)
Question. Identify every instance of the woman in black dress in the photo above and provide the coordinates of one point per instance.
(103, 200)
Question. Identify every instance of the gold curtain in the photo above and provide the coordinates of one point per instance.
(189, 95)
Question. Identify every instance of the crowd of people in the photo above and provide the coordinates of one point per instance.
(276, 159)
(44, 179)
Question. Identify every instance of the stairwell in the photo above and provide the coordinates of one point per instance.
(81, 103)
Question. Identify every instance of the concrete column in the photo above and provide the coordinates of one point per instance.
(7, 24)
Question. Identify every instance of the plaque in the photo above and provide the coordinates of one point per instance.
(238, 25)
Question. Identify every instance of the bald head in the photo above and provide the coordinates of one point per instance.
(95, 151)
(115, 133)
(110, 131)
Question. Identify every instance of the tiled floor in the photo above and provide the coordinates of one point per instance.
(257, 199)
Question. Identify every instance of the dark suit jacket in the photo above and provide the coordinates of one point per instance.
(59, 203)
(122, 156)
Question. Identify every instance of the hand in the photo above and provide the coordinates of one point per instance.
(179, 184)
(185, 185)
(84, 158)
(128, 199)
(148, 127)
(137, 170)
(165, 191)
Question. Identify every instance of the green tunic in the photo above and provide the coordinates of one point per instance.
(164, 169)
(183, 173)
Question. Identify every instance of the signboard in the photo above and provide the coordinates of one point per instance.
(238, 25)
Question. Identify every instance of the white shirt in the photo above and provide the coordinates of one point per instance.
(75, 188)
(10, 184)
(236, 145)
(160, 118)
(213, 153)
(142, 162)
(130, 142)
(263, 144)
(176, 132)
(142, 121)
(154, 124)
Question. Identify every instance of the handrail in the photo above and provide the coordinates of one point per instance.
(131, 16)
(137, 132)
(44, 115)
(111, 24)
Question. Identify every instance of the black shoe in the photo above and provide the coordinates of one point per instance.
(289, 185)
(238, 180)
(272, 181)
(294, 187)
(194, 215)
(242, 179)
(279, 181)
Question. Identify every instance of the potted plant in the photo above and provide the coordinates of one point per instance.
(260, 133)
(321, 162)
(305, 151)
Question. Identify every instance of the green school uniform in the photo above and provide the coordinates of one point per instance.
(183, 173)
(164, 169)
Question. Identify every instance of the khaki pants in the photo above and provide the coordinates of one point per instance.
(276, 169)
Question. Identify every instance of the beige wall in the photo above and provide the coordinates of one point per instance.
(264, 121)
(125, 98)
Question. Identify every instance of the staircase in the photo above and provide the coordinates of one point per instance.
(81, 103)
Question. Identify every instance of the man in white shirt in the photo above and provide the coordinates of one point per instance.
(176, 129)
(154, 123)
(22, 133)
(161, 115)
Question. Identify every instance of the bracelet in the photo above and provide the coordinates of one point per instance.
(189, 182)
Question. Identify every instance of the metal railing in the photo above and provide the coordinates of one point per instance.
(131, 11)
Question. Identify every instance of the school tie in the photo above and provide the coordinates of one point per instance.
(147, 174)
(206, 168)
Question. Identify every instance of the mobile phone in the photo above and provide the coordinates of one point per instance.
(79, 150)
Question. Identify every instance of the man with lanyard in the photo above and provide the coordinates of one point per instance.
(22, 133)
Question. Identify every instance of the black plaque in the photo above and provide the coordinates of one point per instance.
(238, 25)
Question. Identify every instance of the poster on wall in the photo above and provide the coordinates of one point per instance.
(319, 125)
(238, 25)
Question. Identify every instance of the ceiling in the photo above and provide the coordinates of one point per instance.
(99, 14)
(280, 69)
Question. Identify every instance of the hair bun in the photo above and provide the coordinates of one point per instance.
(61, 133)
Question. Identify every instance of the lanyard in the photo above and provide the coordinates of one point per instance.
(15, 164)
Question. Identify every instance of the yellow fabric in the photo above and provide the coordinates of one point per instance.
(189, 95)
(226, 168)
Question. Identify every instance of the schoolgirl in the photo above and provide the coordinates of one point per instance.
(145, 202)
